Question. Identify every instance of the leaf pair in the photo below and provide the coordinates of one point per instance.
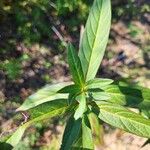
(82, 133)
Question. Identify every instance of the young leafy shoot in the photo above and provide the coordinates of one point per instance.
(88, 101)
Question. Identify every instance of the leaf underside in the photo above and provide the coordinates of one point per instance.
(125, 119)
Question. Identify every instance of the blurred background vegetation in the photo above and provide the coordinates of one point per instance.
(33, 36)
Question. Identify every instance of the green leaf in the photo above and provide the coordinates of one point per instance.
(71, 89)
(98, 83)
(125, 119)
(97, 129)
(79, 146)
(87, 140)
(84, 140)
(78, 143)
(48, 93)
(100, 96)
(146, 113)
(41, 112)
(75, 66)
(16, 137)
(52, 108)
(71, 133)
(82, 106)
(5, 146)
(132, 97)
(95, 38)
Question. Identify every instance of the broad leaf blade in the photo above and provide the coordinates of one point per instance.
(75, 66)
(95, 38)
(81, 107)
(98, 83)
(125, 119)
(131, 97)
(41, 112)
(48, 93)
(71, 133)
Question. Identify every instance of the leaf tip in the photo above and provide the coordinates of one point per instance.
(19, 109)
